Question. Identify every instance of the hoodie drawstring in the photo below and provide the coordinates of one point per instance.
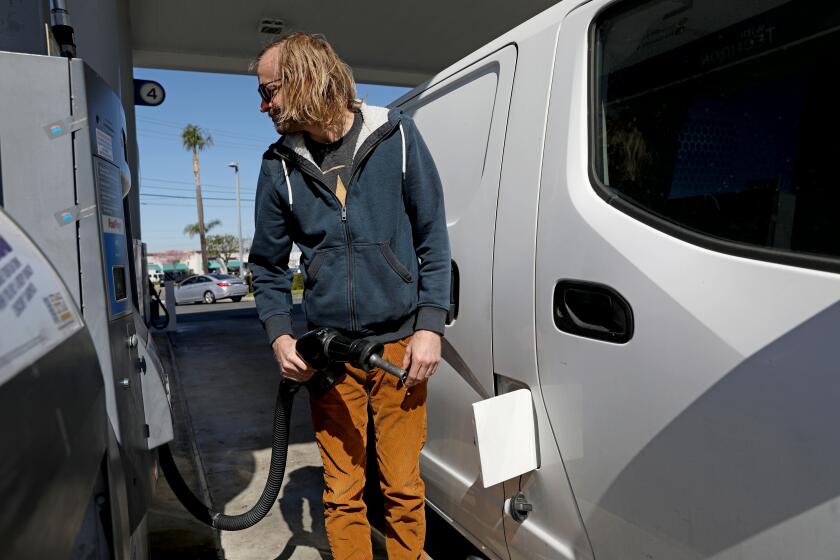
(289, 185)
(402, 137)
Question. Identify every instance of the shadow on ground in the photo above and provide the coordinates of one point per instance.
(302, 501)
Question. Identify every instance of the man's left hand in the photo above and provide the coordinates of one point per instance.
(422, 356)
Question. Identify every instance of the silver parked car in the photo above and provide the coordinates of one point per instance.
(209, 288)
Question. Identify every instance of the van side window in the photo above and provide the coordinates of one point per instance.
(715, 121)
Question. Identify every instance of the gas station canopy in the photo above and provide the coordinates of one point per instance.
(384, 42)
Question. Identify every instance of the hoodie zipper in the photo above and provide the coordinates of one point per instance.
(349, 245)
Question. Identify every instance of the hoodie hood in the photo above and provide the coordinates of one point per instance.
(374, 120)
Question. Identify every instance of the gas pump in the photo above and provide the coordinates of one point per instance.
(64, 170)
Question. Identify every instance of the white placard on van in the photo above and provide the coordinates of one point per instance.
(506, 436)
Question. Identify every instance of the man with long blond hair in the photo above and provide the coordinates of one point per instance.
(356, 189)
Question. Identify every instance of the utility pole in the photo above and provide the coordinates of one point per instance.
(235, 165)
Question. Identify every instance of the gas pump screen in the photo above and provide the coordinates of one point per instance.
(119, 282)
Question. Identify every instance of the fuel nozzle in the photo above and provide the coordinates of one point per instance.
(61, 28)
(324, 347)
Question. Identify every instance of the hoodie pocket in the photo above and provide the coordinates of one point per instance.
(398, 267)
(326, 291)
(384, 288)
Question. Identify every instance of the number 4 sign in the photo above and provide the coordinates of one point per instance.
(149, 93)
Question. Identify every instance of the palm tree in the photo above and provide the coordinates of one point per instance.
(196, 139)
(192, 229)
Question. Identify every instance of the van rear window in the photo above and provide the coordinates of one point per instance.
(720, 118)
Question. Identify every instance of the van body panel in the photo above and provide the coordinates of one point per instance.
(463, 120)
(712, 432)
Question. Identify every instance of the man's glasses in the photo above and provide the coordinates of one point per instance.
(265, 93)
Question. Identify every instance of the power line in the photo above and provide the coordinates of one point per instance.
(175, 204)
(213, 130)
(146, 188)
(224, 142)
(143, 180)
(162, 136)
(216, 203)
(183, 188)
(176, 137)
(187, 189)
(176, 131)
(193, 197)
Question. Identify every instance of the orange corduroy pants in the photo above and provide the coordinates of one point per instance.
(340, 418)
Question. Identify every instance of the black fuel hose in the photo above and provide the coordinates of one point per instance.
(276, 471)
(158, 324)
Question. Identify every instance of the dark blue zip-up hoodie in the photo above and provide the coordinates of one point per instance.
(379, 266)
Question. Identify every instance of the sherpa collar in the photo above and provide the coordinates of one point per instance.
(373, 118)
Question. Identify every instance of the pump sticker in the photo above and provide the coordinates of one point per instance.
(104, 144)
(73, 214)
(112, 224)
(36, 310)
(59, 310)
(58, 129)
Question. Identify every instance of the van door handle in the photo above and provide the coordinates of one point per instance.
(580, 323)
(592, 310)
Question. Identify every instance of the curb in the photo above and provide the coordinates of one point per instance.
(201, 474)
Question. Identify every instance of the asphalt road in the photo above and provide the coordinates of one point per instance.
(208, 312)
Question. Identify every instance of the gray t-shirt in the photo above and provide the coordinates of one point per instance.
(336, 158)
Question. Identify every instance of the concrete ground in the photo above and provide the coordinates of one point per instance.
(229, 380)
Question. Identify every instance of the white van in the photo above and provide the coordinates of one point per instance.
(644, 210)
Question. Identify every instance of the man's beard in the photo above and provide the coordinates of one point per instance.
(280, 125)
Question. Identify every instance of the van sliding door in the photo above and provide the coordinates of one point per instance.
(462, 120)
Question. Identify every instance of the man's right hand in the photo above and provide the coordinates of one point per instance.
(291, 364)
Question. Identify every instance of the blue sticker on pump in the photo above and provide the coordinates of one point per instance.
(114, 247)
(116, 267)
(60, 128)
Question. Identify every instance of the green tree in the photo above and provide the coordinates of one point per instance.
(196, 139)
(222, 246)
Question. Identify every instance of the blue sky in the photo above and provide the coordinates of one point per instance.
(228, 107)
